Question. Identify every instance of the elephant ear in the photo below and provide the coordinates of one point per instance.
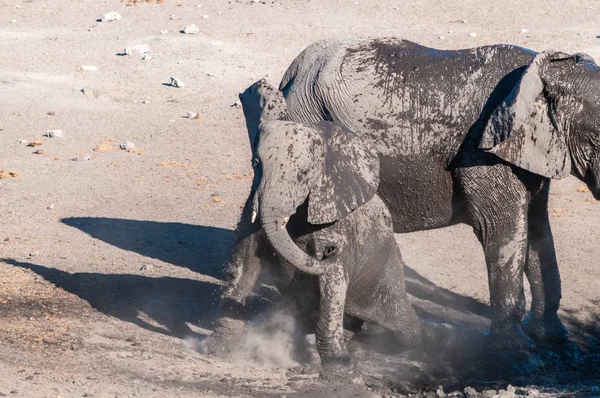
(349, 178)
(521, 129)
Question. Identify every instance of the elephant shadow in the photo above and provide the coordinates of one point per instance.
(202, 249)
(163, 304)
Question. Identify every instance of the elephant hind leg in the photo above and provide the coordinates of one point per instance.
(387, 306)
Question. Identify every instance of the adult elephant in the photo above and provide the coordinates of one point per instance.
(467, 136)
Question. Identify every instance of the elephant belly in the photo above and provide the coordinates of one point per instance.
(418, 192)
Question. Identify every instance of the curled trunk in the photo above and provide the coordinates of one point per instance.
(273, 222)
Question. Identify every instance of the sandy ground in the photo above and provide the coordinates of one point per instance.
(109, 267)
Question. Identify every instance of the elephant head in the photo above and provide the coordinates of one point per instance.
(325, 164)
(549, 124)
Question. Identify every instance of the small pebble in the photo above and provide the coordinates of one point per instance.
(191, 115)
(34, 254)
(110, 16)
(210, 74)
(51, 206)
(164, 32)
(13, 21)
(440, 392)
(53, 133)
(441, 37)
(147, 57)
(203, 17)
(89, 68)
(137, 49)
(82, 157)
(145, 102)
(237, 104)
(524, 30)
(174, 82)
(191, 29)
(24, 142)
(473, 34)
(127, 146)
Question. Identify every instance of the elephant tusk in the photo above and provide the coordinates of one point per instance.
(254, 214)
(285, 221)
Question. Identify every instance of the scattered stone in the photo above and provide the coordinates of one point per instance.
(104, 148)
(146, 267)
(191, 115)
(91, 92)
(34, 254)
(216, 198)
(210, 74)
(13, 21)
(51, 113)
(40, 152)
(82, 157)
(441, 37)
(489, 393)
(89, 68)
(583, 189)
(204, 16)
(237, 104)
(145, 102)
(137, 49)
(127, 146)
(7, 174)
(191, 29)
(24, 142)
(473, 34)
(54, 133)
(147, 57)
(50, 206)
(524, 30)
(110, 16)
(470, 392)
(35, 143)
(510, 388)
(174, 82)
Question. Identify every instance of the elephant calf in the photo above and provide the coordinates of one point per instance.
(314, 204)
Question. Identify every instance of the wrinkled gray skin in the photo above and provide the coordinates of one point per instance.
(315, 206)
(467, 136)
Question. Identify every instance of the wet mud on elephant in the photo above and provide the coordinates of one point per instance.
(315, 208)
(468, 136)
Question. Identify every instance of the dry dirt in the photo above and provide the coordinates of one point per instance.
(110, 265)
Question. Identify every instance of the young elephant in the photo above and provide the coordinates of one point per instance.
(314, 202)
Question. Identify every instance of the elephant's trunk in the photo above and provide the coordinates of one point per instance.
(273, 219)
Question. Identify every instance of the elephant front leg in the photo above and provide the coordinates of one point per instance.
(505, 251)
(330, 326)
(542, 324)
(243, 268)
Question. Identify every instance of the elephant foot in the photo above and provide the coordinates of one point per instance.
(337, 367)
(225, 337)
(546, 331)
(509, 338)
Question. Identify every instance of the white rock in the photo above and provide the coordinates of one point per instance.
(147, 57)
(24, 142)
(473, 34)
(110, 16)
(89, 68)
(524, 30)
(204, 16)
(191, 115)
(82, 157)
(176, 83)
(191, 29)
(145, 102)
(441, 37)
(127, 145)
(137, 49)
(54, 133)
(164, 32)
(13, 21)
